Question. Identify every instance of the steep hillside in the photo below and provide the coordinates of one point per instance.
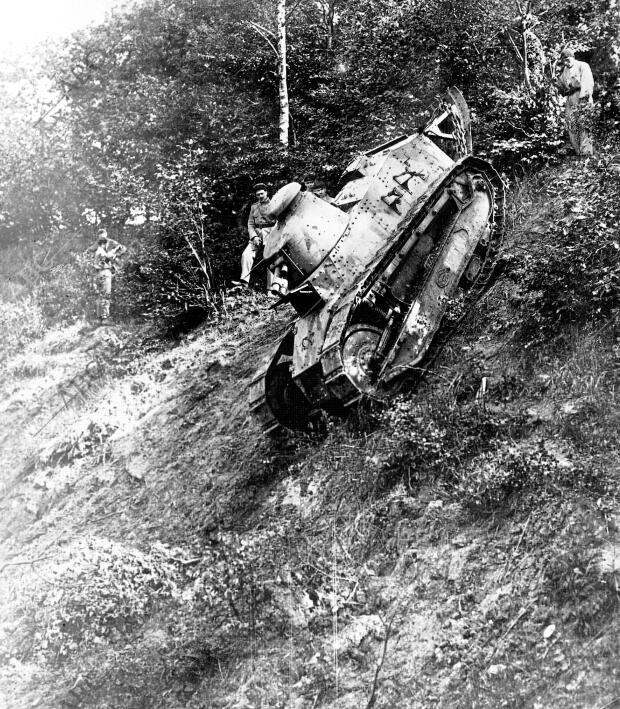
(456, 548)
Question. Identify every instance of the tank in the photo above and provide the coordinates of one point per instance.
(381, 275)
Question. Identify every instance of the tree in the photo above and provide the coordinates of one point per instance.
(531, 54)
(37, 168)
(277, 42)
(282, 82)
(185, 199)
(328, 11)
(200, 91)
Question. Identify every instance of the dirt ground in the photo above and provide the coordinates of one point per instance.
(457, 548)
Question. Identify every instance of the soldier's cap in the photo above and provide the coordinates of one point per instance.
(260, 186)
(314, 185)
(567, 52)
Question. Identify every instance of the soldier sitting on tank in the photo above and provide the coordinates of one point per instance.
(260, 223)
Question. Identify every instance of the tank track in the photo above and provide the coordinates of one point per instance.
(333, 368)
(332, 375)
(480, 286)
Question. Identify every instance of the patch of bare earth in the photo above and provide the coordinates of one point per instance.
(457, 548)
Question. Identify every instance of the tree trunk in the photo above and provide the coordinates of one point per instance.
(328, 20)
(283, 86)
(526, 68)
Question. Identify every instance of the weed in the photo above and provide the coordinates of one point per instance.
(20, 322)
(575, 278)
(494, 478)
(87, 438)
(102, 592)
(28, 365)
(575, 583)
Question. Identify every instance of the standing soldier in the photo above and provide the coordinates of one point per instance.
(259, 225)
(576, 83)
(106, 253)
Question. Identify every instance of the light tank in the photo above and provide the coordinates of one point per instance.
(381, 275)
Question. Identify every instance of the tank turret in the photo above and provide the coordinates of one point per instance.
(380, 276)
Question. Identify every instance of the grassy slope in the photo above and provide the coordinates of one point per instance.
(456, 549)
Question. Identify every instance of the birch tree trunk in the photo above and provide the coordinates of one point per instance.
(523, 24)
(283, 86)
(526, 67)
(328, 8)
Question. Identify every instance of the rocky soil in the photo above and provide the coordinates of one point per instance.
(456, 548)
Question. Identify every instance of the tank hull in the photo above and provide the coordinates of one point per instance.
(420, 241)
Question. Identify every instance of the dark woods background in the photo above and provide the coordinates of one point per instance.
(157, 122)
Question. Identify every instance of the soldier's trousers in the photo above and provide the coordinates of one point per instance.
(579, 120)
(247, 261)
(103, 288)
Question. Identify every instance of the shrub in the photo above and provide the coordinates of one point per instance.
(573, 577)
(478, 457)
(524, 129)
(20, 322)
(106, 590)
(576, 277)
(492, 478)
(66, 292)
(232, 585)
(436, 438)
(162, 284)
(80, 441)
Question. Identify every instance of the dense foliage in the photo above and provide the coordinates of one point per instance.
(168, 112)
(576, 279)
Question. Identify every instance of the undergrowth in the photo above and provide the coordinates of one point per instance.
(304, 536)
(103, 592)
(571, 276)
(21, 322)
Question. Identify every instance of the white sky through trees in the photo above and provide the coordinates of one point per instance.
(23, 23)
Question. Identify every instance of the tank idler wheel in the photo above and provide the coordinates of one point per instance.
(286, 400)
(358, 358)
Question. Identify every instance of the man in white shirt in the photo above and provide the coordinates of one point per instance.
(106, 253)
(577, 84)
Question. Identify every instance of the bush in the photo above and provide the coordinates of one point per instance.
(107, 590)
(574, 577)
(435, 439)
(67, 291)
(478, 457)
(524, 129)
(576, 278)
(232, 585)
(162, 284)
(20, 322)
(491, 480)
